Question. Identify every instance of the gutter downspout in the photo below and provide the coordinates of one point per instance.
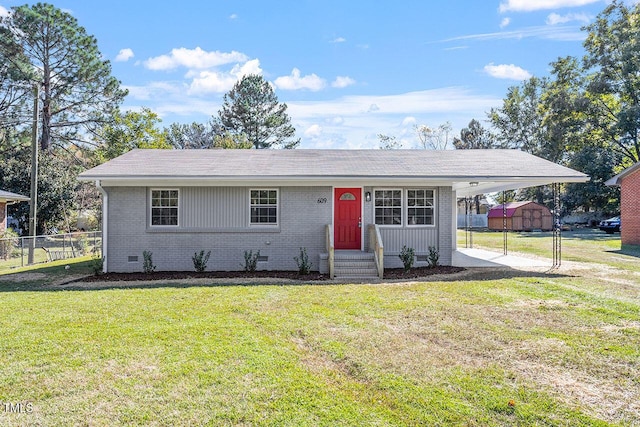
(105, 222)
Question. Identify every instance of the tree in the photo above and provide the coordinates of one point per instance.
(433, 139)
(252, 108)
(562, 109)
(613, 60)
(58, 188)
(474, 136)
(127, 131)
(388, 142)
(50, 49)
(186, 136)
(593, 195)
(518, 123)
(232, 141)
(12, 95)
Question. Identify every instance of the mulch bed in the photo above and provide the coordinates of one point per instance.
(418, 272)
(389, 273)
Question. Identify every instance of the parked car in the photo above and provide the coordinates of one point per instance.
(611, 225)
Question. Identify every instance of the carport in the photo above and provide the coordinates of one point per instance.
(503, 178)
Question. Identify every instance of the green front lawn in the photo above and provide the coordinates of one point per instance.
(509, 349)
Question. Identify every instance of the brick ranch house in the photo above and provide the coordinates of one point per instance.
(629, 182)
(352, 210)
(7, 198)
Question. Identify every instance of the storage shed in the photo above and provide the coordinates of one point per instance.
(521, 216)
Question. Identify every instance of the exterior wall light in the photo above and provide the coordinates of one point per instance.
(367, 196)
(473, 184)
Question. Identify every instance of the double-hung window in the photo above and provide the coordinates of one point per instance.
(165, 207)
(264, 207)
(388, 207)
(420, 204)
(410, 207)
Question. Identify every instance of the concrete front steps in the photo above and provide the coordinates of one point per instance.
(354, 265)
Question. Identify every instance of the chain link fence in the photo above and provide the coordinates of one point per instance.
(21, 251)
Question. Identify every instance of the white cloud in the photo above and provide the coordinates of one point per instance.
(410, 120)
(193, 59)
(313, 131)
(233, 16)
(341, 122)
(359, 129)
(505, 22)
(531, 5)
(208, 81)
(507, 71)
(3, 12)
(294, 81)
(339, 40)
(124, 55)
(548, 32)
(555, 19)
(342, 81)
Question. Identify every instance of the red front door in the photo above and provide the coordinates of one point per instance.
(347, 220)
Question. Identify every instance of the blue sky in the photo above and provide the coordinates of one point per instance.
(348, 70)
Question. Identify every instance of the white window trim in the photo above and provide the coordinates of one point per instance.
(402, 207)
(262, 224)
(405, 201)
(151, 190)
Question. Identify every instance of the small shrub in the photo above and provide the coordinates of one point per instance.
(251, 261)
(304, 266)
(147, 265)
(82, 244)
(8, 243)
(407, 256)
(434, 257)
(97, 263)
(200, 260)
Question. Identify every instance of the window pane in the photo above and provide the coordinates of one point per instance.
(420, 204)
(264, 206)
(164, 207)
(388, 207)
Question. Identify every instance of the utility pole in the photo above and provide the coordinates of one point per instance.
(33, 205)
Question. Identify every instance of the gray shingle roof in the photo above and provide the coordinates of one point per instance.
(301, 163)
(616, 180)
(9, 196)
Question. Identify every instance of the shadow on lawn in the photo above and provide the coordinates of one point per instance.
(628, 250)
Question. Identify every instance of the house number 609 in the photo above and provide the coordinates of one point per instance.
(322, 200)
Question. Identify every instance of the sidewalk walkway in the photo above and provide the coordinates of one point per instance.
(465, 257)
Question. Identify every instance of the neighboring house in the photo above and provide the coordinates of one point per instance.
(629, 182)
(352, 210)
(8, 198)
(520, 216)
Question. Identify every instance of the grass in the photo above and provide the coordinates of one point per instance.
(512, 349)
